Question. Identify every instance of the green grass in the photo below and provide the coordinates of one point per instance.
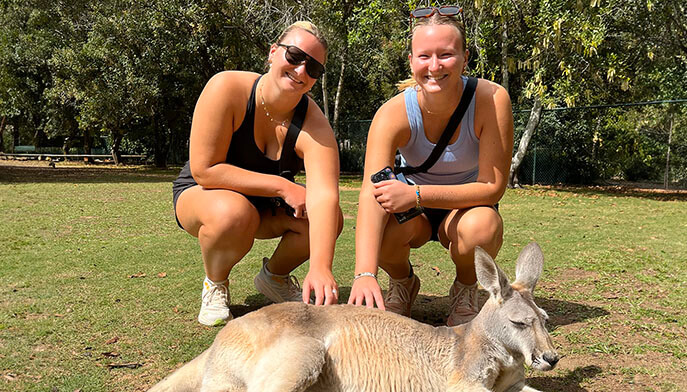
(71, 240)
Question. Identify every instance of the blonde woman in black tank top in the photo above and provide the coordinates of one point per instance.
(459, 215)
(226, 195)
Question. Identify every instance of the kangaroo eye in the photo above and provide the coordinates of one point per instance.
(519, 324)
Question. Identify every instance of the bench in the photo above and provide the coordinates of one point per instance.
(24, 149)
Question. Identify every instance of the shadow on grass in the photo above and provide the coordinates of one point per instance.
(434, 310)
(625, 191)
(564, 312)
(102, 174)
(567, 383)
(253, 302)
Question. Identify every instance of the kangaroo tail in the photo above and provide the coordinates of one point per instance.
(186, 378)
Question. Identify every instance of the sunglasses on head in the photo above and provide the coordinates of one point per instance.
(295, 56)
(446, 10)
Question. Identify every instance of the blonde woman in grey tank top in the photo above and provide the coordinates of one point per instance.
(459, 193)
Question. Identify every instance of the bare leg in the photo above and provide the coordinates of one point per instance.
(397, 241)
(294, 247)
(224, 222)
(462, 230)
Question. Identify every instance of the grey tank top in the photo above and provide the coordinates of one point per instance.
(458, 164)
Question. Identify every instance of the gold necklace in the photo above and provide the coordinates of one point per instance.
(423, 105)
(267, 112)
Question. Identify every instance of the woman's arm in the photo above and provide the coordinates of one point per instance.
(218, 113)
(317, 145)
(388, 131)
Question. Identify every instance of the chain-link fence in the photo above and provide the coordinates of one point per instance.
(633, 143)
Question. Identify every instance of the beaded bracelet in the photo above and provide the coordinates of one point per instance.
(360, 275)
(417, 196)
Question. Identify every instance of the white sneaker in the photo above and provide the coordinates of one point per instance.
(214, 308)
(278, 288)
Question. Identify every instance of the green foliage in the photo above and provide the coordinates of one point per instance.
(132, 71)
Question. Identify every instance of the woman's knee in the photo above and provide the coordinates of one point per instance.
(411, 234)
(480, 228)
(228, 220)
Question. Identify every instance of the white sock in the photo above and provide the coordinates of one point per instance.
(222, 283)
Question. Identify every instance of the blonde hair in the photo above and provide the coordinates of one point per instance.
(433, 20)
(307, 26)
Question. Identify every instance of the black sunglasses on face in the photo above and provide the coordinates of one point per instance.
(295, 56)
(446, 10)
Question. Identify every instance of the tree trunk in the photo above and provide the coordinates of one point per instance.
(116, 144)
(15, 135)
(532, 123)
(325, 100)
(162, 144)
(2, 133)
(339, 87)
(666, 176)
(504, 53)
(87, 145)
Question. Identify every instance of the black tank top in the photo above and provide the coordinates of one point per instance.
(244, 153)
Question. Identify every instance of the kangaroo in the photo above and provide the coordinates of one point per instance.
(292, 347)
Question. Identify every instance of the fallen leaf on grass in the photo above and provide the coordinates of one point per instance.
(162, 275)
(132, 365)
(436, 269)
(113, 340)
(138, 275)
(110, 354)
(9, 377)
(176, 310)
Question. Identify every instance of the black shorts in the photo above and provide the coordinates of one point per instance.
(436, 215)
(260, 203)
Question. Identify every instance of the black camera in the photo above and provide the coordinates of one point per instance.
(388, 174)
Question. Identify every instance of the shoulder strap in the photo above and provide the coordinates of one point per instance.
(250, 107)
(450, 130)
(288, 159)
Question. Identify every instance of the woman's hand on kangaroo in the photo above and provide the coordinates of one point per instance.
(366, 290)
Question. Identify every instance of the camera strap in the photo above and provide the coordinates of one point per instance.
(288, 162)
(451, 127)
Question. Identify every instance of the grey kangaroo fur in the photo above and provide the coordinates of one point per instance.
(293, 347)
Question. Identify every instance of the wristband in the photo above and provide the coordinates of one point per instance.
(417, 196)
(360, 275)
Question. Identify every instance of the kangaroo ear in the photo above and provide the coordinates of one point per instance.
(490, 275)
(529, 266)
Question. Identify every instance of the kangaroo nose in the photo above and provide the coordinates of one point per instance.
(551, 358)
